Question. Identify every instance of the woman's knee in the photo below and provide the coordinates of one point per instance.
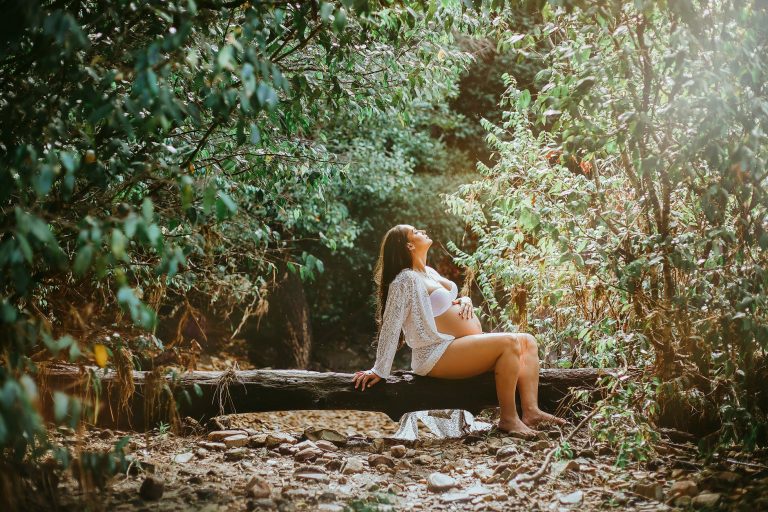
(528, 343)
(511, 344)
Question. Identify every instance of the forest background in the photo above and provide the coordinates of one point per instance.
(194, 178)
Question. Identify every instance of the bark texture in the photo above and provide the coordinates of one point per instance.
(279, 390)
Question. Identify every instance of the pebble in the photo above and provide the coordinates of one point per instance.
(455, 497)
(706, 499)
(398, 451)
(151, 489)
(183, 458)
(439, 482)
(235, 441)
(257, 441)
(304, 445)
(506, 452)
(287, 449)
(236, 454)
(312, 473)
(308, 454)
(424, 460)
(326, 445)
(650, 490)
(258, 488)
(683, 488)
(277, 438)
(573, 498)
(212, 446)
(377, 458)
(220, 435)
(352, 465)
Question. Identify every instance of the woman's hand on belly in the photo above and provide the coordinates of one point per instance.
(451, 322)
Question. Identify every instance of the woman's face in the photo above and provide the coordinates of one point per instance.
(418, 241)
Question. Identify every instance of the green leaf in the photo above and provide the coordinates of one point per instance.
(119, 242)
(60, 406)
(340, 20)
(524, 99)
(83, 259)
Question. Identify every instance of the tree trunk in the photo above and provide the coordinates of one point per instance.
(288, 321)
(280, 390)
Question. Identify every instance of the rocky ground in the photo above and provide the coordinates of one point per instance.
(344, 460)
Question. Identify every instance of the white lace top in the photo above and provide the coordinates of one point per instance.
(408, 309)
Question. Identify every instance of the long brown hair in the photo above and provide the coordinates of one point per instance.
(394, 256)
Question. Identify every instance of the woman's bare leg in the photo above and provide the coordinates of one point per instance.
(478, 353)
(528, 382)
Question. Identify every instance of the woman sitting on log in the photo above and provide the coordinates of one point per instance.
(446, 338)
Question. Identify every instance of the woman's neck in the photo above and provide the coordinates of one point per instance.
(419, 263)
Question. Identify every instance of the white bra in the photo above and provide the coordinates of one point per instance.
(442, 299)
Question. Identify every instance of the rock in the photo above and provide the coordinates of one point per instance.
(398, 451)
(677, 473)
(183, 458)
(264, 503)
(207, 493)
(565, 466)
(326, 445)
(201, 453)
(706, 499)
(151, 489)
(308, 454)
(316, 434)
(257, 441)
(378, 458)
(483, 473)
(235, 441)
(540, 445)
(304, 445)
(212, 446)
(275, 439)
(455, 497)
(726, 478)
(287, 449)
(334, 464)
(648, 489)
(573, 498)
(439, 482)
(506, 452)
(682, 501)
(478, 490)
(352, 465)
(424, 460)
(220, 435)
(330, 507)
(236, 454)
(683, 488)
(620, 497)
(312, 473)
(258, 488)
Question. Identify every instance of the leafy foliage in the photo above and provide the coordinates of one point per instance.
(625, 220)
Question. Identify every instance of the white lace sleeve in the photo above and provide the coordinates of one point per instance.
(395, 313)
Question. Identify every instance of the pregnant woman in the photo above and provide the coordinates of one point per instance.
(446, 338)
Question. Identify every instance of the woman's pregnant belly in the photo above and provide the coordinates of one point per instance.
(451, 323)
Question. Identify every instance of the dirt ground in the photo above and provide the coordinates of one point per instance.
(344, 460)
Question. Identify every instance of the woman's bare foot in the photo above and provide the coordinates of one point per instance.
(517, 427)
(538, 417)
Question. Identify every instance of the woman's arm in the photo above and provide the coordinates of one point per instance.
(395, 313)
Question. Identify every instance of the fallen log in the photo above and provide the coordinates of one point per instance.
(152, 398)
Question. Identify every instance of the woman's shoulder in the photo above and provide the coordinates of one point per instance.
(405, 275)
